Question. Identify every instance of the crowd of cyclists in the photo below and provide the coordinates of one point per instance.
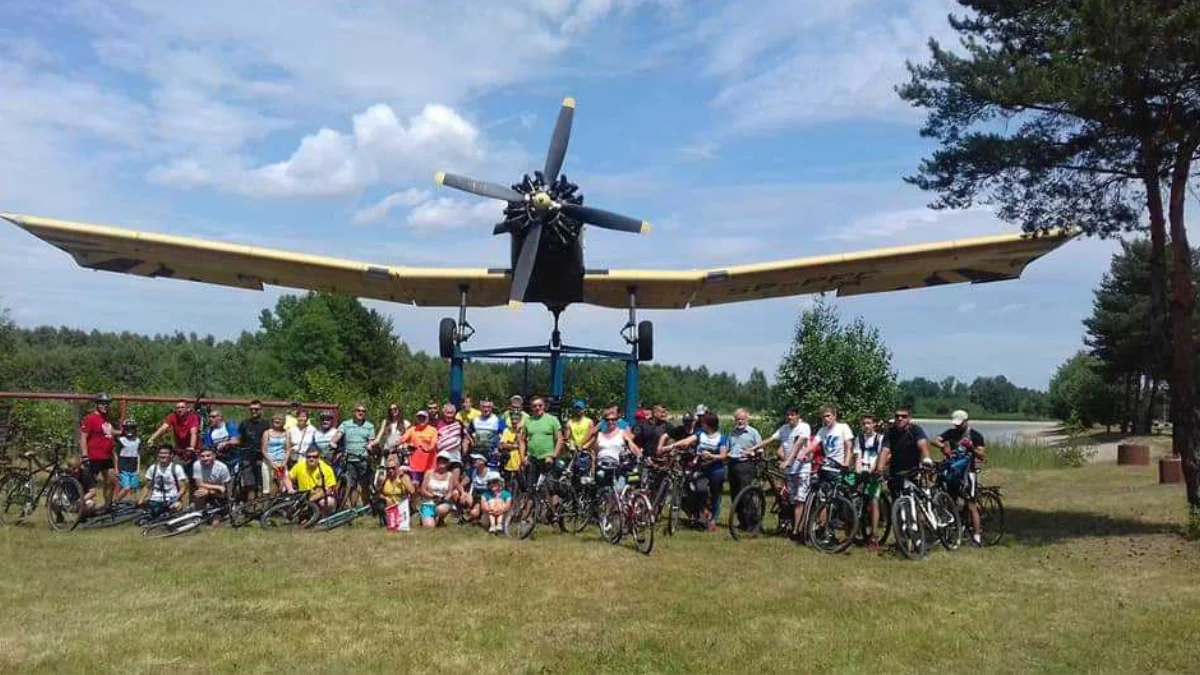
(476, 462)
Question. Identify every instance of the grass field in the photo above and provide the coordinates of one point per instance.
(1094, 578)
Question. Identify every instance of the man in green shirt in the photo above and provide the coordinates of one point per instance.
(540, 440)
(359, 435)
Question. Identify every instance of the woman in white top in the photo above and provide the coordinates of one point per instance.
(300, 437)
(611, 443)
(391, 429)
(438, 492)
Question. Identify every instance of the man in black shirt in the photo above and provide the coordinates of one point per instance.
(251, 432)
(905, 446)
(648, 432)
(963, 445)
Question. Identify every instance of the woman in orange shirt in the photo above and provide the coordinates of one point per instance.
(421, 439)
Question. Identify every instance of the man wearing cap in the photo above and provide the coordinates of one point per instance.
(96, 442)
(580, 427)
(421, 439)
(964, 446)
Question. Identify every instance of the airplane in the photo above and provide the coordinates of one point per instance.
(544, 216)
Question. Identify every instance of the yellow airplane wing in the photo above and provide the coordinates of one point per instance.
(158, 255)
(977, 260)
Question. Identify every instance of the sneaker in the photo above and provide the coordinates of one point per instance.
(712, 526)
(977, 539)
(872, 545)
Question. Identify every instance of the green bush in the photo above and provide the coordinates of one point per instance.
(1031, 455)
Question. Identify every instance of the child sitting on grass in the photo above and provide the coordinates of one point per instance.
(498, 502)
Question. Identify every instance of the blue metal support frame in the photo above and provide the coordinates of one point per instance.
(558, 358)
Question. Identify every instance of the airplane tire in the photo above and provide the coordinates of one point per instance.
(645, 341)
(446, 338)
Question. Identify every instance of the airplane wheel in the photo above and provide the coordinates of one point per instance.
(645, 341)
(446, 337)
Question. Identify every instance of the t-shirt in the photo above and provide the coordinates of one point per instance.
(301, 438)
(127, 457)
(217, 435)
(289, 421)
(869, 448)
(788, 435)
(450, 436)
(394, 489)
(539, 434)
(323, 438)
(422, 441)
(954, 436)
(580, 429)
(646, 434)
(904, 446)
(504, 496)
(217, 474)
(357, 436)
(308, 478)
(164, 483)
(181, 427)
(706, 442)
(486, 431)
(251, 431)
(741, 440)
(835, 442)
(468, 416)
(99, 436)
(479, 479)
(678, 432)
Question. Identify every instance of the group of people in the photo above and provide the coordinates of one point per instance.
(470, 460)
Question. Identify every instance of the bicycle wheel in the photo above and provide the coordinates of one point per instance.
(612, 524)
(673, 508)
(8, 485)
(284, 514)
(950, 526)
(643, 523)
(832, 528)
(991, 516)
(910, 534)
(577, 514)
(566, 504)
(64, 503)
(17, 494)
(747, 513)
(522, 521)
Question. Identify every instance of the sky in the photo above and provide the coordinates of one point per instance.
(743, 136)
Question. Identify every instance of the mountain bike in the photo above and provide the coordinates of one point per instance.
(347, 515)
(861, 507)
(536, 505)
(765, 505)
(832, 520)
(923, 510)
(62, 491)
(675, 492)
(170, 525)
(289, 510)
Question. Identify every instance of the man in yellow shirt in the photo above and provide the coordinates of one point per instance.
(514, 417)
(315, 477)
(469, 412)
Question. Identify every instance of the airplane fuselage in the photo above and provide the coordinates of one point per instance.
(557, 279)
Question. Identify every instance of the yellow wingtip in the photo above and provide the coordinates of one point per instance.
(645, 228)
(439, 177)
(515, 304)
(569, 102)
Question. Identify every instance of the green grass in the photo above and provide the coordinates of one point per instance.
(1024, 455)
(1094, 578)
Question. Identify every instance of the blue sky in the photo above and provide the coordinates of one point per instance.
(742, 135)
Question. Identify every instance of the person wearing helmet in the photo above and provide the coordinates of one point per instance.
(96, 443)
(128, 460)
(963, 447)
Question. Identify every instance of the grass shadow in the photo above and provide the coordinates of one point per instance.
(1040, 528)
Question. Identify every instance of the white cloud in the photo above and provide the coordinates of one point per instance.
(445, 213)
(807, 62)
(380, 148)
(380, 210)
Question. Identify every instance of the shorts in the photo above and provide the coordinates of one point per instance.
(357, 471)
(798, 484)
(99, 466)
(130, 480)
(428, 509)
(873, 487)
(967, 488)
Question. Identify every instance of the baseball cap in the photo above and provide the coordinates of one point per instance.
(579, 404)
(701, 409)
(641, 414)
(422, 413)
(515, 398)
(476, 457)
(958, 417)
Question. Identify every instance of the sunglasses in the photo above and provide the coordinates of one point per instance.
(256, 410)
(313, 456)
(901, 416)
(358, 410)
(610, 419)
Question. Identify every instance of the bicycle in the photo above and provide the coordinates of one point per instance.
(923, 509)
(831, 518)
(987, 500)
(628, 511)
(535, 505)
(170, 525)
(119, 513)
(766, 497)
(62, 491)
(345, 516)
(861, 503)
(290, 509)
(675, 492)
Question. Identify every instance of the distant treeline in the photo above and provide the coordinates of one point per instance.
(984, 398)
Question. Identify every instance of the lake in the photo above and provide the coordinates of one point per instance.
(993, 431)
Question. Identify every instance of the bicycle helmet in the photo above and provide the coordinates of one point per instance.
(102, 397)
(128, 424)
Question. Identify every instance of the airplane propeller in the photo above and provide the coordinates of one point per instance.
(547, 201)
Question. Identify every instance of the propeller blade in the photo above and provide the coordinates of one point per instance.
(558, 142)
(524, 268)
(478, 187)
(502, 228)
(606, 219)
